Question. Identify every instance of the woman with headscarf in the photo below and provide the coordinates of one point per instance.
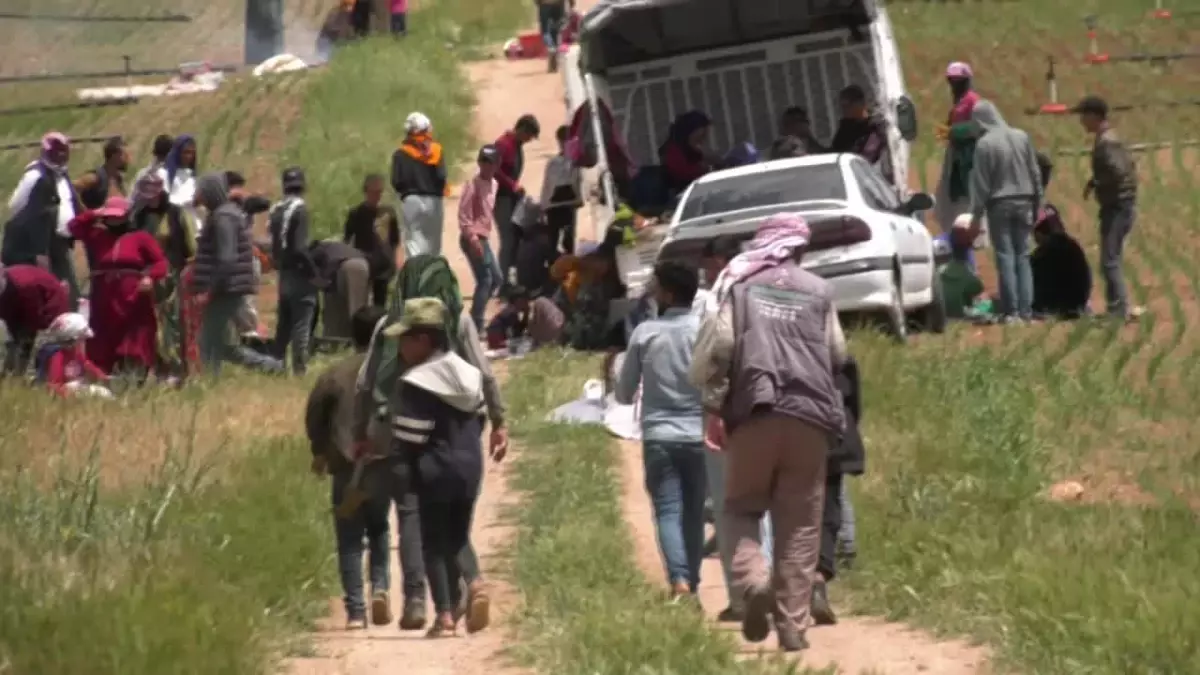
(953, 192)
(182, 172)
(41, 206)
(684, 155)
(425, 276)
(126, 265)
(419, 178)
(154, 213)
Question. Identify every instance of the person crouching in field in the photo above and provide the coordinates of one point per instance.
(437, 423)
(328, 420)
(62, 362)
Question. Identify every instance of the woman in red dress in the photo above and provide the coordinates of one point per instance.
(126, 263)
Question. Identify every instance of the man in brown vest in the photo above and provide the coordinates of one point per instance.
(765, 361)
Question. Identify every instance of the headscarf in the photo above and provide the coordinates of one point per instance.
(67, 328)
(148, 189)
(212, 191)
(172, 164)
(774, 242)
(959, 70)
(114, 207)
(418, 140)
(681, 131)
(429, 276)
(50, 141)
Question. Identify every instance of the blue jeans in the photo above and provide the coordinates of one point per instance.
(1116, 222)
(370, 520)
(293, 326)
(550, 22)
(715, 468)
(400, 23)
(488, 278)
(1010, 224)
(215, 347)
(675, 479)
(847, 539)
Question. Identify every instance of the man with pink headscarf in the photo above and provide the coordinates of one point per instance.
(42, 204)
(764, 361)
(953, 193)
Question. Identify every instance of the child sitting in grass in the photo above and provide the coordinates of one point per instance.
(329, 420)
(62, 362)
(960, 285)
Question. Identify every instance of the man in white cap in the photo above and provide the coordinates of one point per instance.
(419, 178)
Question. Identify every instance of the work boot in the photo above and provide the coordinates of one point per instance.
(381, 608)
(791, 639)
(822, 611)
(731, 614)
(756, 623)
(479, 607)
(413, 617)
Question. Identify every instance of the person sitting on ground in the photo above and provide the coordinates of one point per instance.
(659, 360)
(685, 155)
(329, 419)
(1062, 278)
(862, 132)
(960, 285)
(436, 427)
(526, 316)
(31, 298)
(62, 362)
(846, 458)
(588, 326)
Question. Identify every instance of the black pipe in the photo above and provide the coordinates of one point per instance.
(74, 140)
(33, 16)
(108, 74)
(102, 103)
(1151, 58)
(1132, 106)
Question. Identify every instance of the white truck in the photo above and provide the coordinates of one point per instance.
(743, 62)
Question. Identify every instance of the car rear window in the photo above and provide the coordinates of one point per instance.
(802, 183)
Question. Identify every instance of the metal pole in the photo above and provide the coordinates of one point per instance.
(606, 179)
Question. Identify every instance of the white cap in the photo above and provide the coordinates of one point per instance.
(963, 222)
(417, 123)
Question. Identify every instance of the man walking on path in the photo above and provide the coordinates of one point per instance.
(224, 269)
(1006, 185)
(419, 178)
(476, 213)
(1114, 182)
(297, 294)
(765, 363)
(659, 358)
(510, 147)
(329, 420)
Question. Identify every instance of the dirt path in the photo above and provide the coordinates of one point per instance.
(505, 91)
(856, 645)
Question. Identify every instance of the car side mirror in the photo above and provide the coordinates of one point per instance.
(921, 201)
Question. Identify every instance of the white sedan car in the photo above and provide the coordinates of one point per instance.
(865, 241)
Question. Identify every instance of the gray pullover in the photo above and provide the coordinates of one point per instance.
(1005, 163)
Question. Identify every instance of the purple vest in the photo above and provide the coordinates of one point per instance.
(782, 362)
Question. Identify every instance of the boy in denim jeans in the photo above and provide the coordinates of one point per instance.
(329, 420)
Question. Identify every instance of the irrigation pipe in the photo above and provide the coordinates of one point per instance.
(106, 103)
(108, 74)
(26, 145)
(1136, 147)
(35, 16)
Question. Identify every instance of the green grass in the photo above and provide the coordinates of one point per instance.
(587, 608)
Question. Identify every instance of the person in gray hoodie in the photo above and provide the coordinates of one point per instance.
(1006, 185)
(224, 269)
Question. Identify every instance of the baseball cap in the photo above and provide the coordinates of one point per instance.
(293, 178)
(1092, 104)
(489, 154)
(418, 313)
(959, 70)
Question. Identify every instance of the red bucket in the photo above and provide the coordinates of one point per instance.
(532, 45)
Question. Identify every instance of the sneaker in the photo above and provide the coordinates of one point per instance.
(413, 617)
(356, 623)
(731, 614)
(381, 608)
(756, 622)
(822, 611)
(479, 608)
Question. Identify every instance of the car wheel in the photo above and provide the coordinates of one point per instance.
(897, 322)
(933, 317)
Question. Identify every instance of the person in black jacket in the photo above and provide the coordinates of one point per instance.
(1062, 278)
(845, 458)
(297, 294)
(437, 422)
(374, 229)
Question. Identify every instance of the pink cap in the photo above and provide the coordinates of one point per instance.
(959, 70)
(114, 207)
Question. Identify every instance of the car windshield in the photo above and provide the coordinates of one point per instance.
(797, 184)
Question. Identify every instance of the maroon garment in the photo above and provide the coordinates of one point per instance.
(512, 159)
(32, 298)
(122, 316)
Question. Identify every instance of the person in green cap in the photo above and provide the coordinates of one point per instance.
(437, 422)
